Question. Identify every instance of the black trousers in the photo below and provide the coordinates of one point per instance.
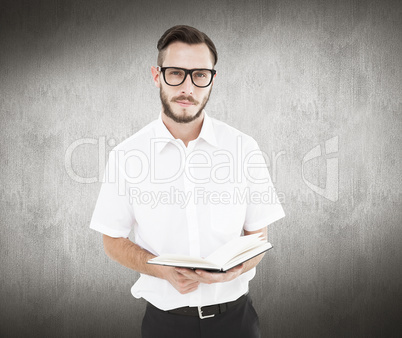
(240, 321)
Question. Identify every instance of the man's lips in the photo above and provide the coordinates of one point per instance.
(184, 103)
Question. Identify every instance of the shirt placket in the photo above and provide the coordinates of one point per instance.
(192, 222)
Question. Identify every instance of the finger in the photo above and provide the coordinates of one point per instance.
(186, 286)
(182, 270)
(189, 283)
(216, 277)
(183, 281)
(187, 272)
(188, 290)
(193, 285)
(210, 277)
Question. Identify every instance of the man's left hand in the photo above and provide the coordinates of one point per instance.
(206, 277)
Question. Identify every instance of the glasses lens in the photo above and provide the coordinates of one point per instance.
(202, 77)
(175, 76)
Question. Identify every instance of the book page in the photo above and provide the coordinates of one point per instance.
(234, 247)
(182, 260)
(245, 256)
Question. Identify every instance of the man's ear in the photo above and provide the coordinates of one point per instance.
(155, 76)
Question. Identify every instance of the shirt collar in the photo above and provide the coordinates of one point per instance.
(207, 133)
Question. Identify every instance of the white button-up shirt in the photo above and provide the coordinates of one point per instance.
(186, 200)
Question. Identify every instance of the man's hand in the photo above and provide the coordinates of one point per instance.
(202, 276)
(179, 281)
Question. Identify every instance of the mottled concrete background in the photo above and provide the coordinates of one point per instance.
(293, 74)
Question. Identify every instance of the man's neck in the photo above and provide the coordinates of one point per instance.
(184, 131)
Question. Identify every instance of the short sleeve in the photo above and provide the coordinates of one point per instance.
(263, 207)
(113, 214)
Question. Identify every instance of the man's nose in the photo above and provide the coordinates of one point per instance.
(187, 87)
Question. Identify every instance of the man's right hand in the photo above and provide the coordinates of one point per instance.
(180, 282)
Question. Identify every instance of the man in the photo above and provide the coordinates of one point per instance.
(183, 185)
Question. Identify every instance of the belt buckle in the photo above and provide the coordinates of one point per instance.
(201, 315)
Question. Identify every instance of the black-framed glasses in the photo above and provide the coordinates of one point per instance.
(200, 77)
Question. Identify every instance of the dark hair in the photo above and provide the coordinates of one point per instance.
(184, 34)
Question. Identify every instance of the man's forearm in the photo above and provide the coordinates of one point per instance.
(254, 261)
(129, 254)
(132, 256)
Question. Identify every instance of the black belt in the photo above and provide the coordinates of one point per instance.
(207, 311)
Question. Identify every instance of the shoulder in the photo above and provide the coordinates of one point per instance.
(140, 139)
(226, 134)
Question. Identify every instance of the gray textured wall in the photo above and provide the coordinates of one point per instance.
(293, 74)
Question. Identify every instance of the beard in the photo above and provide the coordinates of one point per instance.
(168, 110)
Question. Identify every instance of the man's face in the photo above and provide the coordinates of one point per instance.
(184, 103)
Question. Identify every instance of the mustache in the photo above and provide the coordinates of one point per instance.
(184, 98)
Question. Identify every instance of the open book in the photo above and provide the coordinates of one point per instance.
(229, 255)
